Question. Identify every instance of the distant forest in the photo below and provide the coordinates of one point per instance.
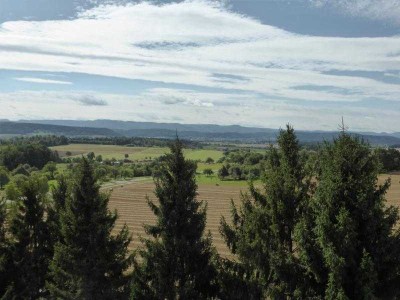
(194, 132)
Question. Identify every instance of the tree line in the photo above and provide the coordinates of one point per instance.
(32, 153)
(312, 230)
(389, 159)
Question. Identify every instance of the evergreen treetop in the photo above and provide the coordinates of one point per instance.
(262, 234)
(30, 242)
(176, 261)
(349, 240)
(90, 262)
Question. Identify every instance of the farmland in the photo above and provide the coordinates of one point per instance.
(130, 201)
(393, 195)
(129, 197)
(147, 154)
(135, 153)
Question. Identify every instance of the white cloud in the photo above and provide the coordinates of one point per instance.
(221, 108)
(41, 80)
(89, 100)
(382, 10)
(188, 43)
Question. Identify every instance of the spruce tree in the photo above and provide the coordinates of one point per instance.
(5, 252)
(349, 239)
(176, 262)
(30, 238)
(89, 261)
(262, 233)
(55, 210)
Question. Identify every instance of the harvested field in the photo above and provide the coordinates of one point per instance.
(393, 195)
(130, 201)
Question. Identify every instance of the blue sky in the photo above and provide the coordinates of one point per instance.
(255, 63)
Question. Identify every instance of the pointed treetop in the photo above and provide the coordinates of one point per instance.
(342, 127)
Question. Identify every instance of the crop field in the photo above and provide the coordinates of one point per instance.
(135, 153)
(130, 201)
(393, 195)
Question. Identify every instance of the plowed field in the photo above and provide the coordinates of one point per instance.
(130, 201)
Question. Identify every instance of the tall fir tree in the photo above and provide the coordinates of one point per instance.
(349, 239)
(176, 263)
(89, 261)
(262, 233)
(31, 247)
(6, 268)
(60, 194)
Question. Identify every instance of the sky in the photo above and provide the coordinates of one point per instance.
(259, 63)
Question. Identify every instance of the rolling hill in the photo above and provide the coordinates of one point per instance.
(17, 128)
(196, 132)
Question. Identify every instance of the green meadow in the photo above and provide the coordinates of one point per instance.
(135, 153)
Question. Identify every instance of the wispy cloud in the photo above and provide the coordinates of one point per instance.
(273, 61)
(90, 100)
(202, 43)
(41, 80)
(382, 10)
(221, 108)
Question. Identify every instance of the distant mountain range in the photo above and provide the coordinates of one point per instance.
(199, 132)
(20, 128)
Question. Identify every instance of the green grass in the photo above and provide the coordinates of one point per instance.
(111, 151)
(214, 180)
(203, 154)
(61, 168)
(135, 153)
(214, 167)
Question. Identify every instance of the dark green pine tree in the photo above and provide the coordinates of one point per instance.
(89, 261)
(349, 239)
(31, 247)
(60, 194)
(6, 268)
(262, 233)
(177, 262)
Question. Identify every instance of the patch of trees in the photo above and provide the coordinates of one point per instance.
(293, 237)
(34, 154)
(208, 172)
(239, 172)
(112, 169)
(63, 248)
(238, 156)
(333, 239)
(4, 177)
(130, 141)
(241, 165)
(46, 140)
(111, 172)
(389, 159)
